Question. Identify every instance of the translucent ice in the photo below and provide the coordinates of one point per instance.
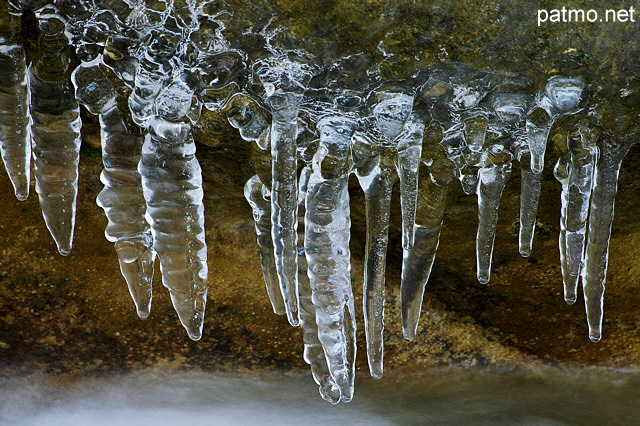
(576, 176)
(327, 234)
(605, 187)
(376, 161)
(172, 182)
(15, 140)
(314, 353)
(284, 82)
(55, 129)
(122, 198)
(492, 179)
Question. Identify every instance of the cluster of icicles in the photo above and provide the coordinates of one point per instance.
(451, 122)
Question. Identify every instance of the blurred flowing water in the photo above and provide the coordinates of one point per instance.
(540, 397)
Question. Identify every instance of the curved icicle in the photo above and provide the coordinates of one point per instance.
(313, 350)
(15, 139)
(284, 82)
(605, 187)
(55, 130)
(121, 198)
(576, 195)
(418, 260)
(259, 199)
(491, 182)
(327, 234)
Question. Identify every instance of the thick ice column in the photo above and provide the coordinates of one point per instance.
(122, 198)
(576, 195)
(605, 187)
(327, 234)
(15, 140)
(313, 351)
(284, 82)
(55, 129)
(172, 183)
(252, 121)
(418, 260)
(492, 180)
(376, 153)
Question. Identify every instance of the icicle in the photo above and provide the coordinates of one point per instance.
(246, 115)
(418, 260)
(313, 351)
(509, 106)
(577, 181)
(327, 234)
(55, 129)
(259, 198)
(15, 140)
(375, 153)
(122, 198)
(605, 187)
(562, 96)
(408, 160)
(284, 82)
(530, 187)
(172, 183)
(492, 180)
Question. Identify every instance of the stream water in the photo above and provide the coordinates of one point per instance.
(541, 397)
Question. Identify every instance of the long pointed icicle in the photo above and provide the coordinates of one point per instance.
(15, 139)
(122, 198)
(246, 115)
(259, 199)
(418, 260)
(284, 81)
(55, 129)
(327, 234)
(530, 187)
(491, 182)
(313, 351)
(408, 160)
(576, 195)
(605, 187)
(377, 154)
(172, 182)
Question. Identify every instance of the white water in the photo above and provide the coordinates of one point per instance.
(549, 397)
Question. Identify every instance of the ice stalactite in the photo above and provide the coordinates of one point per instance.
(314, 353)
(327, 235)
(285, 81)
(245, 114)
(55, 129)
(172, 183)
(509, 105)
(492, 178)
(162, 104)
(611, 151)
(562, 96)
(418, 261)
(505, 109)
(376, 160)
(575, 173)
(122, 198)
(15, 139)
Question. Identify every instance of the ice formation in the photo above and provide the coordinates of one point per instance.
(147, 68)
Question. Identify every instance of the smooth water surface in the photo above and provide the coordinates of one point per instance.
(547, 397)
